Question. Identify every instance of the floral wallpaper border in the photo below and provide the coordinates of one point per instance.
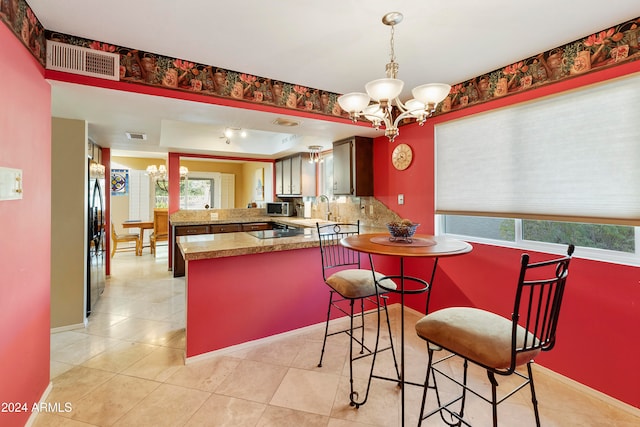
(607, 48)
(148, 68)
(18, 16)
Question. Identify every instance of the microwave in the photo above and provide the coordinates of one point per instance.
(279, 209)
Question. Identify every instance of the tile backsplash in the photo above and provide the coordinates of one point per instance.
(370, 212)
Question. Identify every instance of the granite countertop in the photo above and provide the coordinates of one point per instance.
(206, 246)
(294, 221)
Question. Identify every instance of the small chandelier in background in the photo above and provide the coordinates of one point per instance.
(385, 92)
(96, 170)
(314, 153)
(159, 175)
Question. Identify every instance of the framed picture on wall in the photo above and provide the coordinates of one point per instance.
(259, 184)
(119, 182)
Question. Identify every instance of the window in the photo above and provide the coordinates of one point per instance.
(549, 172)
(161, 194)
(196, 193)
(606, 242)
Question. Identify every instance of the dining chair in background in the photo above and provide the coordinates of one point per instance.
(160, 228)
(122, 238)
(349, 284)
(493, 342)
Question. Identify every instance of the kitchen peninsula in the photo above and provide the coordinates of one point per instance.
(244, 286)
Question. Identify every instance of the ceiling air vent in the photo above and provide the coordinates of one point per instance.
(83, 61)
(138, 136)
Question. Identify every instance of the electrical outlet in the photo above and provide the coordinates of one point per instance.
(370, 209)
(401, 199)
(213, 216)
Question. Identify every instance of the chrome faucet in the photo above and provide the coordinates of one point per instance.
(324, 198)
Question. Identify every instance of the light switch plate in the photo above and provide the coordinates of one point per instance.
(10, 184)
(401, 199)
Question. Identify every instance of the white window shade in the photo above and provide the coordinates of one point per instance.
(572, 156)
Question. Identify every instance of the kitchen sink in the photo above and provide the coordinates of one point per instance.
(277, 233)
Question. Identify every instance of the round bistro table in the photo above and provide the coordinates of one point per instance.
(420, 246)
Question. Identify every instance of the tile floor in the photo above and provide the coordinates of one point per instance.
(127, 369)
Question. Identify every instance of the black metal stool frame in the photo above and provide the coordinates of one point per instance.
(542, 300)
(334, 256)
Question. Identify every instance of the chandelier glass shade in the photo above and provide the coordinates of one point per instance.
(96, 170)
(159, 175)
(314, 153)
(387, 108)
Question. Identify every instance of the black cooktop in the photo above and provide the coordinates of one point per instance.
(274, 234)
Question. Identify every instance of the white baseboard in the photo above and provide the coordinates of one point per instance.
(68, 328)
(584, 389)
(246, 345)
(273, 338)
(43, 398)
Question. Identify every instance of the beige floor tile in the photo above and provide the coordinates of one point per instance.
(58, 368)
(280, 352)
(308, 357)
(381, 407)
(112, 400)
(224, 411)
(120, 356)
(307, 391)
(335, 422)
(284, 417)
(159, 365)
(129, 363)
(101, 321)
(52, 420)
(77, 382)
(255, 381)
(167, 405)
(205, 375)
(82, 350)
(130, 328)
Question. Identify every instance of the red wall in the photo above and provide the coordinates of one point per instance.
(25, 229)
(232, 300)
(598, 333)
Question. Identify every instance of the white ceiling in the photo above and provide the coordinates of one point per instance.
(333, 45)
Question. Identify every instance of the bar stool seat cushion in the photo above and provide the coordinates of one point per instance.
(475, 334)
(357, 283)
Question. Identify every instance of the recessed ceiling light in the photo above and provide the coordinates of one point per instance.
(285, 122)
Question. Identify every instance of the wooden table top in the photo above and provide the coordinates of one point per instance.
(137, 224)
(423, 246)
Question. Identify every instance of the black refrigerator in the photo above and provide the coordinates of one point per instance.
(95, 244)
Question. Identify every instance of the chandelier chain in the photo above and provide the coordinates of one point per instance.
(387, 109)
(393, 50)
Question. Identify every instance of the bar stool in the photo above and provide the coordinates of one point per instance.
(350, 283)
(493, 342)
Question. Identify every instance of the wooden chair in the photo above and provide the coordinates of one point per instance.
(493, 342)
(160, 228)
(122, 238)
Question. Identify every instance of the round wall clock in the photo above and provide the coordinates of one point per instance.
(401, 157)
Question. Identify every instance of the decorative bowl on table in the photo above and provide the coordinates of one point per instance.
(402, 231)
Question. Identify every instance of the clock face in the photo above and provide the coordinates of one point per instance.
(401, 157)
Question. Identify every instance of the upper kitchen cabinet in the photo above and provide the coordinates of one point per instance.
(295, 176)
(353, 167)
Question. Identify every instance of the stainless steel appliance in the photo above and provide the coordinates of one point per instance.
(279, 209)
(95, 248)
